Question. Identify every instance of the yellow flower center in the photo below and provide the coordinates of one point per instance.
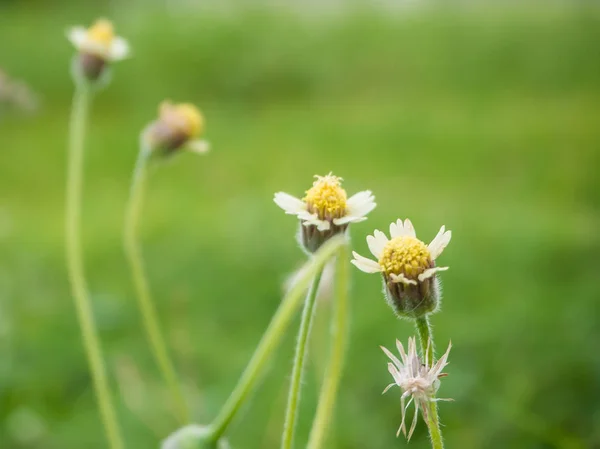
(184, 117)
(102, 32)
(326, 197)
(405, 255)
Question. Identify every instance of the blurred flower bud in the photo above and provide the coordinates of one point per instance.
(178, 127)
(193, 437)
(408, 267)
(97, 46)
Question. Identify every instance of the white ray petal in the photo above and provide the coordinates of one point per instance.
(409, 229)
(440, 242)
(377, 242)
(391, 356)
(396, 278)
(289, 203)
(430, 272)
(119, 49)
(199, 146)
(396, 229)
(364, 264)
(361, 203)
(348, 219)
(77, 35)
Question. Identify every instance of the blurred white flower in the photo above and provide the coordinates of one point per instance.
(99, 40)
(416, 379)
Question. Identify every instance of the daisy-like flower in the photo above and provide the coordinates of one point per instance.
(97, 46)
(416, 379)
(325, 210)
(178, 126)
(408, 267)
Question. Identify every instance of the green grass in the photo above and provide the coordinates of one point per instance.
(483, 120)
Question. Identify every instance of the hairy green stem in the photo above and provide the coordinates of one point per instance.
(427, 350)
(287, 438)
(339, 329)
(272, 337)
(75, 270)
(144, 299)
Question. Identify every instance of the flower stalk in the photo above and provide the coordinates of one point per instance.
(339, 328)
(427, 352)
(293, 402)
(149, 315)
(83, 305)
(272, 337)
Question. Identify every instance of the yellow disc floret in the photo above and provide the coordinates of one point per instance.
(184, 117)
(326, 197)
(405, 255)
(102, 32)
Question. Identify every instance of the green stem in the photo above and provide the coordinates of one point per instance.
(272, 337)
(145, 303)
(427, 349)
(291, 413)
(338, 349)
(76, 275)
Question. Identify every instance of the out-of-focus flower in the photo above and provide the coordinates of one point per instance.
(97, 46)
(325, 210)
(416, 379)
(179, 126)
(408, 268)
(193, 436)
(17, 94)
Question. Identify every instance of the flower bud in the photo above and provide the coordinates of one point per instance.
(97, 47)
(178, 127)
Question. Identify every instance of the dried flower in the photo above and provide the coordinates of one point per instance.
(97, 46)
(325, 210)
(416, 379)
(408, 268)
(178, 126)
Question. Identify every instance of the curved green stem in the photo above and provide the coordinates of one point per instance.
(272, 337)
(339, 324)
(147, 309)
(293, 402)
(75, 270)
(427, 350)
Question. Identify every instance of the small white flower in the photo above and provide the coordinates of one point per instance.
(408, 267)
(326, 209)
(99, 40)
(416, 379)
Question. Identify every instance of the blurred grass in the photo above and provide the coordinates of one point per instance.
(485, 120)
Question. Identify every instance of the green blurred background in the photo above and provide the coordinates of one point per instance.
(482, 118)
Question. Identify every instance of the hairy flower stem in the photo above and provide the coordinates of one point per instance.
(339, 325)
(427, 350)
(272, 336)
(83, 305)
(147, 309)
(291, 413)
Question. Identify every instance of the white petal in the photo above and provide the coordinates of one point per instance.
(440, 242)
(377, 242)
(77, 35)
(401, 278)
(348, 219)
(361, 204)
(430, 272)
(290, 204)
(396, 229)
(392, 357)
(441, 363)
(364, 264)
(199, 146)
(409, 229)
(119, 49)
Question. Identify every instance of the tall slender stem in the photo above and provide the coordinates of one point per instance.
(287, 439)
(272, 337)
(147, 309)
(427, 350)
(75, 270)
(339, 328)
